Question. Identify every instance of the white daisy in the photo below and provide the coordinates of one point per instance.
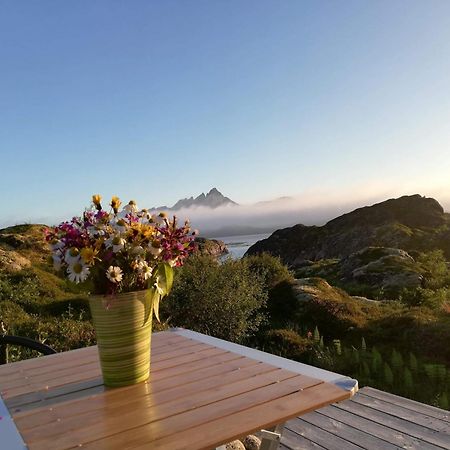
(131, 208)
(56, 262)
(137, 250)
(139, 263)
(146, 270)
(77, 272)
(56, 245)
(114, 274)
(157, 218)
(92, 231)
(95, 230)
(119, 225)
(116, 242)
(155, 251)
(145, 216)
(72, 256)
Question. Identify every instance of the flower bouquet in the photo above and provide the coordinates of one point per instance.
(126, 259)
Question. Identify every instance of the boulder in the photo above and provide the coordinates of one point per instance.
(235, 445)
(251, 442)
(211, 247)
(390, 269)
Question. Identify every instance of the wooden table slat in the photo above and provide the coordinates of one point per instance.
(211, 433)
(203, 388)
(43, 375)
(61, 361)
(150, 409)
(12, 369)
(194, 417)
(73, 357)
(219, 356)
(116, 400)
(58, 378)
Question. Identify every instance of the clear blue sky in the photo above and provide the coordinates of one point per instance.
(160, 100)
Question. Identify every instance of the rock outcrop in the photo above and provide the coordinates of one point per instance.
(211, 247)
(386, 268)
(21, 246)
(24, 237)
(11, 261)
(411, 223)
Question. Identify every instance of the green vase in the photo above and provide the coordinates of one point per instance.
(123, 324)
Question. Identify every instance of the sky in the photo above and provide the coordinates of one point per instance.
(160, 100)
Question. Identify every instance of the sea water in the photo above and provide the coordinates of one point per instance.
(238, 245)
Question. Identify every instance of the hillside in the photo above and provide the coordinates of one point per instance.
(411, 223)
(326, 295)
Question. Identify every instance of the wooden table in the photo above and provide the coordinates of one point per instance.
(202, 393)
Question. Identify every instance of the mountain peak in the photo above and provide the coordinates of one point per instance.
(213, 199)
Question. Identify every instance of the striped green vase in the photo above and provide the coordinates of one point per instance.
(123, 324)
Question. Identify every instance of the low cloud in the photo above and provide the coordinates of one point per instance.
(314, 207)
(310, 208)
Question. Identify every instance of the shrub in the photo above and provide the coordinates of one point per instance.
(21, 287)
(331, 309)
(430, 298)
(285, 343)
(435, 270)
(270, 268)
(223, 300)
(278, 281)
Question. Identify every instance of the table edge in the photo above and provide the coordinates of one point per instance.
(341, 381)
(9, 432)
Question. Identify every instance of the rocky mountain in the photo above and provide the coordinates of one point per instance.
(213, 199)
(411, 223)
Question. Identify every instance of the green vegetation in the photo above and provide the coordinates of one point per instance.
(395, 343)
(404, 374)
(225, 300)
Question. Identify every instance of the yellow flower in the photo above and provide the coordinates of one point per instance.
(96, 199)
(88, 255)
(148, 231)
(115, 204)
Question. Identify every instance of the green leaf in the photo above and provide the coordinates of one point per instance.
(165, 274)
(154, 297)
